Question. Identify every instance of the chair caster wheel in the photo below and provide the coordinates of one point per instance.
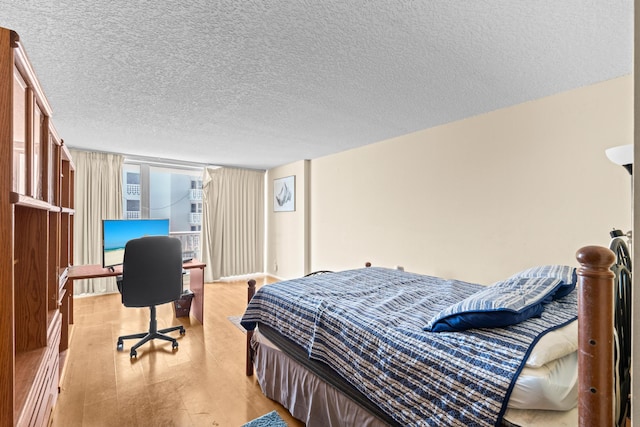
(133, 354)
(182, 331)
(120, 346)
(174, 345)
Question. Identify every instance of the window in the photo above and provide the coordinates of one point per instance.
(159, 191)
(133, 205)
(133, 178)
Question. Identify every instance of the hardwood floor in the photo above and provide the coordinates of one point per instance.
(202, 383)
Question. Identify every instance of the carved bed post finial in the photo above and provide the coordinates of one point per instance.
(251, 290)
(595, 336)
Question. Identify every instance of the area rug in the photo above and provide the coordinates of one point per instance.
(272, 419)
(236, 322)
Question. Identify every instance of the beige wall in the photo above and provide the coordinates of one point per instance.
(476, 199)
(287, 241)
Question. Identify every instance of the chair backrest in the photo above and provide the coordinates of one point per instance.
(151, 271)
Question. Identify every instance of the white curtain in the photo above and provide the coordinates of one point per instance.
(98, 196)
(232, 222)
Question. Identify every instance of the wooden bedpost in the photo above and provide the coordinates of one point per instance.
(595, 337)
(251, 290)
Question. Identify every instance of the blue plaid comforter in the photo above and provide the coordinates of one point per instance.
(367, 324)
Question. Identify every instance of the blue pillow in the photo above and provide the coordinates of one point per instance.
(564, 273)
(502, 304)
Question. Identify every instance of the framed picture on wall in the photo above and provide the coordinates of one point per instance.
(284, 194)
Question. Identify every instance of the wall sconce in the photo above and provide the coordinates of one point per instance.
(622, 155)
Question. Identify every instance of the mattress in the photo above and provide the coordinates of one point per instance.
(544, 394)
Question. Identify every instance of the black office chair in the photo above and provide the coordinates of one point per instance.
(151, 275)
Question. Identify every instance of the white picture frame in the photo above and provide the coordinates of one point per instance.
(284, 194)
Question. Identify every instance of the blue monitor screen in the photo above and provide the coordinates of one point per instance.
(117, 232)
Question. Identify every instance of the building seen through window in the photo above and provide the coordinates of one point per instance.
(166, 192)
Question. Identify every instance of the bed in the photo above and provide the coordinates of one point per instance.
(376, 346)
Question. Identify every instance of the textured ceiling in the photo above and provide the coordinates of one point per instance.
(263, 83)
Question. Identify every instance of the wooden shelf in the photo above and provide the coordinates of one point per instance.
(33, 369)
(27, 366)
(30, 202)
(36, 225)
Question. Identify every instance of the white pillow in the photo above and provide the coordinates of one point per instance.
(552, 387)
(554, 345)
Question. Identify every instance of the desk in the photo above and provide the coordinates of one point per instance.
(196, 282)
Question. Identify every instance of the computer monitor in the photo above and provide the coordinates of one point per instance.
(117, 232)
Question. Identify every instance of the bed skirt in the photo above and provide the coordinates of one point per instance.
(307, 397)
